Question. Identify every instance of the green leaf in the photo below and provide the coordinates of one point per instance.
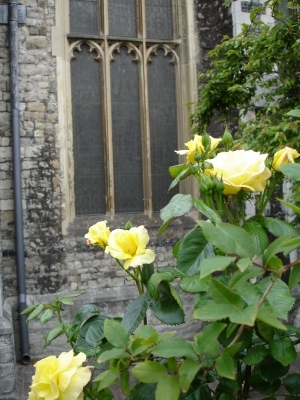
(213, 312)
(192, 284)
(275, 247)
(114, 353)
(229, 239)
(292, 206)
(142, 391)
(187, 373)
(166, 308)
(243, 264)
(175, 170)
(222, 295)
(292, 383)
(46, 316)
(258, 383)
(264, 331)
(294, 277)
(207, 341)
(265, 315)
(227, 396)
(116, 334)
(149, 372)
(124, 381)
(218, 263)
(277, 227)
(239, 278)
(107, 378)
(197, 391)
(272, 369)
(147, 272)
(255, 355)
(258, 235)
(283, 350)
(225, 366)
(67, 302)
(291, 170)
(207, 211)
(35, 313)
(173, 348)
(179, 205)
(155, 280)
(293, 113)
(135, 313)
(95, 333)
(83, 312)
(29, 309)
(145, 331)
(168, 388)
(193, 251)
(56, 331)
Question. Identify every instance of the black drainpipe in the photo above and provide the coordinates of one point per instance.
(15, 126)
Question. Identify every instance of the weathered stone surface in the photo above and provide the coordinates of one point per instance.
(7, 377)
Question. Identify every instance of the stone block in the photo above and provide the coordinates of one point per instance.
(7, 378)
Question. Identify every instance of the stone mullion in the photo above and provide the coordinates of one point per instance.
(147, 176)
(107, 112)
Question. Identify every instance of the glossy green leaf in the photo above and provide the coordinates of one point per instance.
(107, 378)
(155, 280)
(243, 264)
(265, 315)
(29, 309)
(283, 350)
(166, 308)
(193, 251)
(115, 333)
(187, 372)
(83, 312)
(258, 235)
(294, 277)
(255, 355)
(142, 391)
(95, 333)
(218, 263)
(175, 170)
(173, 348)
(207, 211)
(145, 331)
(261, 385)
(225, 366)
(278, 227)
(135, 313)
(179, 205)
(149, 371)
(206, 342)
(46, 316)
(55, 332)
(193, 284)
(147, 272)
(239, 278)
(272, 369)
(292, 383)
(291, 171)
(168, 388)
(222, 295)
(275, 247)
(35, 313)
(114, 353)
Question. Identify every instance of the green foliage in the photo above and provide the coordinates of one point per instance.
(241, 78)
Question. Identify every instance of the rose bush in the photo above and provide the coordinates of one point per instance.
(227, 262)
(61, 378)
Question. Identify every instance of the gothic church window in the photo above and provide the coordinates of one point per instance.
(125, 89)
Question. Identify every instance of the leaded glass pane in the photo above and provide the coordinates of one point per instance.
(159, 21)
(126, 133)
(163, 127)
(84, 17)
(122, 18)
(87, 133)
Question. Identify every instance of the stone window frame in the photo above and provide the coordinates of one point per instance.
(62, 47)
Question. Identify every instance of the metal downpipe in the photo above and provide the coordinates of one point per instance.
(15, 126)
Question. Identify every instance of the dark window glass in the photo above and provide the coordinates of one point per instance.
(87, 133)
(163, 127)
(126, 133)
(84, 17)
(122, 18)
(159, 19)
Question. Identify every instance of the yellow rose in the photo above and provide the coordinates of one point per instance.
(196, 144)
(284, 156)
(241, 169)
(98, 234)
(130, 245)
(61, 378)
